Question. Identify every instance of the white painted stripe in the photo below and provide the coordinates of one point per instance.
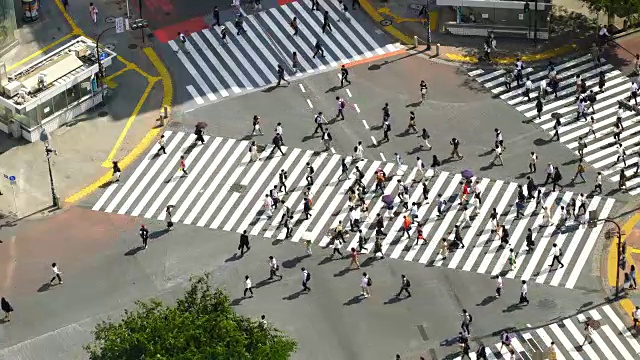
(577, 335)
(568, 253)
(249, 196)
(220, 175)
(348, 92)
(588, 246)
(302, 88)
(256, 60)
(139, 169)
(222, 50)
(355, 106)
(263, 217)
(203, 65)
(216, 64)
(366, 126)
(437, 236)
(542, 243)
(104, 197)
(382, 157)
(373, 141)
(398, 224)
(310, 104)
(284, 38)
(500, 80)
(258, 42)
(292, 176)
(471, 232)
(194, 172)
(622, 328)
(515, 236)
(547, 341)
(202, 179)
(422, 210)
(319, 202)
(490, 75)
(195, 95)
(171, 182)
(333, 151)
(192, 71)
(351, 21)
(328, 212)
(603, 346)
(564, 341)
(476, 72)
(616, 342)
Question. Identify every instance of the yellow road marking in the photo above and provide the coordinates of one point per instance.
(633, 250)
(74, 27)
(127, 126)
(167, 99)
(116, 74)
(612, 260)
(368, 8)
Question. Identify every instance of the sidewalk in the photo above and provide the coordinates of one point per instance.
(579, 30)
(120, 130)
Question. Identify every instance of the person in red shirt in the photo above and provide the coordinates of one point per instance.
(183, 166)
(354, 258)
(406, 226)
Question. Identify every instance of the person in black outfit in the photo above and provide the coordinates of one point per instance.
(277, 145)
(344, 76)
(199, 136)
(282, 180)
(404, 286)
(216, 16)
(144, 235)
(244, 242)
(326, 24)
(7, 308)
(281, 78)
(319, 49)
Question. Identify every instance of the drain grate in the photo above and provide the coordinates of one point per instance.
(238, 188)
(133, 46)
(103, 113)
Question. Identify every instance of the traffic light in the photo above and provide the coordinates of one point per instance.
(526, 7)
(139, 24)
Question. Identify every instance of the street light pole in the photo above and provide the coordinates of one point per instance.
(619, 252)
(56, 200)
(535, 22)
(100, 69)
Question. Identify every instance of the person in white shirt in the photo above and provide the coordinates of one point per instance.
(546, 215)
(414, 212)
(636, 317)
(466, 219)
(533, 159)
(634, 92)
(497, 156)
(354, 218)
(183, 42)
(621, 155)
(278, 128)
(524, 296)
(306, 277)
(542, 93)
(365, 284)
(398, 160)
(557, 252)
(268, 205)
(359, 151)
(582, 110)
(93, 13)
(263, 320)
(549, 171)
(248, 288)
(588, 331)
(592, 127)
(420, 166)
(337, 244)
(528, 86)
(498, 286)
(273, 268)
(598, 186)
(57, 274)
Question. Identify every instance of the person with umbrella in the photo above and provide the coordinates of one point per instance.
(7, 308)
(388, 201)
(199, 132)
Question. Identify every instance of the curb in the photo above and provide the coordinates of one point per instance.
(612, 264)
(408, 40)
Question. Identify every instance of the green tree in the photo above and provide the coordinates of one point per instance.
(202, 325)
(620, 8)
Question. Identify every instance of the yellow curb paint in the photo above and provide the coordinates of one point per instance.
(399, 19)
(369, 9)
(41, 51)
(167, 99)
(127, 126)
(69, 19)
(612, 261)
(510, 60)
(124, 163)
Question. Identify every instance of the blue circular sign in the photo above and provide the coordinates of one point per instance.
(12, 178)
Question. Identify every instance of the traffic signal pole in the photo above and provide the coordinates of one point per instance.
(535, 22)
(141, 28)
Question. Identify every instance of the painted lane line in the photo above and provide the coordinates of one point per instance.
(373, 141)
(382, 157)
(104, 197)
(333, 151)
(348, 92)
(203, 85)
(476, 72)
(310, 104)
(302, 88)
(355, 106)
(194, 95)
(364, 122)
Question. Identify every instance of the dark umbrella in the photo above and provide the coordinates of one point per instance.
(467, 174)
(595, 324)
(387, 199)
(556, 115)
(201, 125)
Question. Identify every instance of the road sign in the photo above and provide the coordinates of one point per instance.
(103, 55)
(119, 25)
(12, 178)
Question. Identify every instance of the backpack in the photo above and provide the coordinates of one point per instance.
(308, 276)
(311, 170)
(470, 318)
(342, 104)
(405, 188)
(408, 283)
(369, 282)
(355, 149)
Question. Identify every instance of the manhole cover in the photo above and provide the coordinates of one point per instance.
(261, 148)
(110, 19)
(103, 113)
(133, 46)
(386, 22)
(110, 46)
(238, 188)
(547, 304)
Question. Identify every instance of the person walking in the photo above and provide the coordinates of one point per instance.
(425, 138)
(116, 171)
(318, 49)
(588, 332)
(405, 285)
(579, 172)
(144, 235)
(253, 151)
(306, 278)
(498, 286)
(315, 5)
(274, 267)
(386, 127)
(57, 274)
(161, 144)
(223, 34)
(255, 125)
(216, 16)
(6, 308)
(557, 253)
(93, 14)
(455, 149)
(167, 215)
(319, 120)
(244, 243)
(281, 78)
(277, 145)
(337, 244)
(239, 24)
(344, 76)
(354, 258)
(326, 23)
(182, 38)
(635, 315)
(309, 176)
(557, 177)
(365, 285)
(466, 321)
(182, 166)
(341, 104)
(412, 123)
(248, 287)
(282, 180)
(524, 295)
(294, 26)
(539, 107)
(497, 155)
(199, 133)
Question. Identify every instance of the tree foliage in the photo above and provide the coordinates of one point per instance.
(619, 8)
(202, 325)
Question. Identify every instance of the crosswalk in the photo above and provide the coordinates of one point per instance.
(225, 190)
(611, 339)
(601, 150)
(249, 61)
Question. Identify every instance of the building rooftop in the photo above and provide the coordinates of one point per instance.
(52, 74)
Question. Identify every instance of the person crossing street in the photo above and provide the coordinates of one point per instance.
(405, 285)
(344, 76)
(144, 235)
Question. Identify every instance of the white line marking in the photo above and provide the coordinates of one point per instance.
(195, 95)
(104, 197)
(310, 104)
(357, 108)
(382, 156)
(348, 92)
(366, 126)
(333, 151)
(302, 88)
(373, 140)
(476, 72)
